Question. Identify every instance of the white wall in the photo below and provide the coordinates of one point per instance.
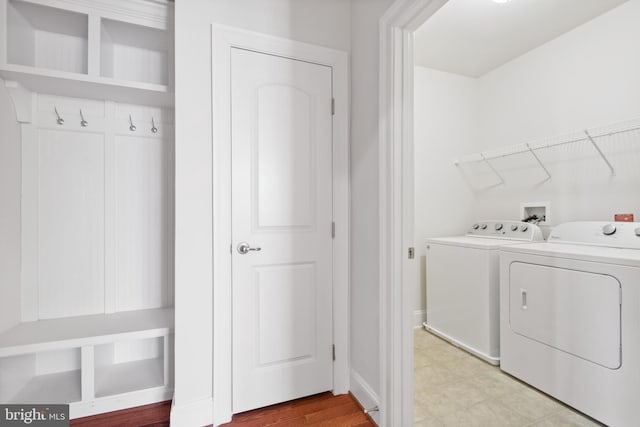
(365, 343)
(9, 213)
(445, 126)
(325, 23)
(586, 78)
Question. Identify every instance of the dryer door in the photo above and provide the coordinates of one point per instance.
(577, 312)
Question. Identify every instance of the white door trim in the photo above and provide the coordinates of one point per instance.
(396, 206)
(223, 39)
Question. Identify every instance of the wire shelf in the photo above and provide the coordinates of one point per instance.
(590, 136)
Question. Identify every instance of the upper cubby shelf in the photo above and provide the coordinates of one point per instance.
(135, 53)
(46, 38)
(89, 49)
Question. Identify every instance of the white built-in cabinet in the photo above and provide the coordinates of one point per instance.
(92, 83)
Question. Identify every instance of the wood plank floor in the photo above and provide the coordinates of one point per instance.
(320, 410)
(156, 415)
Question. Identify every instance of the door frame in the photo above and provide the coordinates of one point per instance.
(396, 175)
(223, 39)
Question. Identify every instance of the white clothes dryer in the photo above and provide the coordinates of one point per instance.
(570, 317)
(463, 285)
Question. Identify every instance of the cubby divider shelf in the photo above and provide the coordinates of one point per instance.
(82, 86)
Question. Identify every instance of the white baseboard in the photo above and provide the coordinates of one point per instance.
(193, 414)
(419, 316)
(365, 395)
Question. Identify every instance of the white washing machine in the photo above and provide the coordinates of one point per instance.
(570, 317)
(463, 285)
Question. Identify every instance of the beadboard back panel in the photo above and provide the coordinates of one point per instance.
(70, 223)
(98, 228)
(142, 279)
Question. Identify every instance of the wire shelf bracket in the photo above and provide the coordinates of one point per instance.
(593, 142)
(492, 168)
(535, 156)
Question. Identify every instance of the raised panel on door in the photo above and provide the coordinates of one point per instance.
(70, 224)
(285, 301)
(142, 229)
(285, 195)
(281, 203)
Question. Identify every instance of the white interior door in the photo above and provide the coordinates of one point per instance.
(281, 124)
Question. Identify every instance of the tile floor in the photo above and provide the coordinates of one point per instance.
(454, 388)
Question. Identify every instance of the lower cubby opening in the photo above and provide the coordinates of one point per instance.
(45, 377)
(128, 366)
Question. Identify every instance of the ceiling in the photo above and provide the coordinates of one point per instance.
(473, 37)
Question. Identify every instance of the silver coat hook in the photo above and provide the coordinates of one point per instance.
(132, 127)
(60, 120)
(83, 122)
(154, 129)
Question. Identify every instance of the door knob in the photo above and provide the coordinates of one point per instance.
(244, 248)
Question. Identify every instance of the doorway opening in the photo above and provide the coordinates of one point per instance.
(453, 129)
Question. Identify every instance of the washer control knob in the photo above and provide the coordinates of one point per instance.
(514, 227)
(524, 228)
(498, 226)
(483, 226)
(608, 229)
(476, 226)
(637, 231)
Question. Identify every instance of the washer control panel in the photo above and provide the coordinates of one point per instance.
(613, 234)
(512, 230)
